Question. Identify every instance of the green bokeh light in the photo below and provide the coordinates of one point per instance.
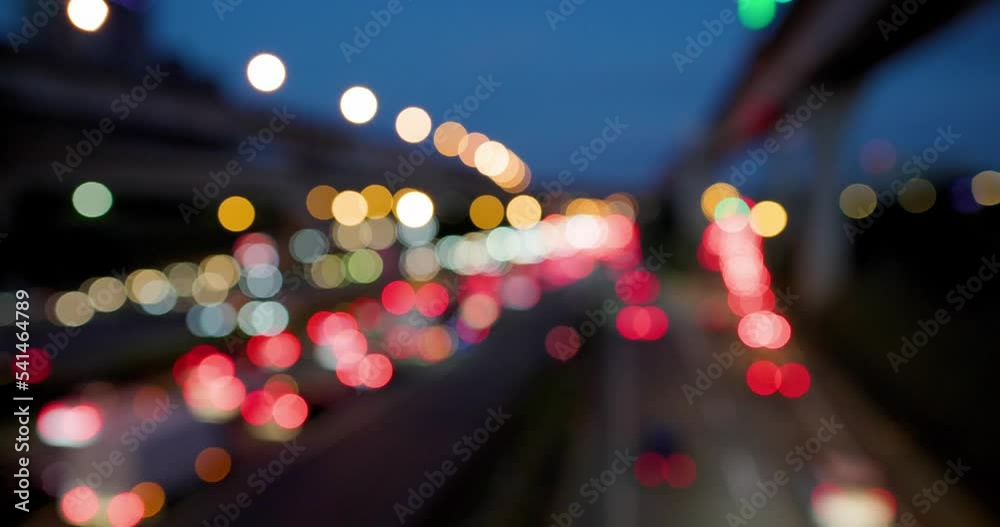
(92, 199)
(364, 266)
(730, 207)
(757, 14)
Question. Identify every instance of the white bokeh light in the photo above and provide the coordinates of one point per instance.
(266, 72)
(358, 104)
(87, 15)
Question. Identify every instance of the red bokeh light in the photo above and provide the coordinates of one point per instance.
(822, 490)
(886, 497)
(65, 425)
(290, 411)
(795, 380)
(367, 311)
(276, 352)
(680, 471)
(349, 342)
(764, 329)
(324, 326)
(258, 407)
(642, 322)
(877, 156)
(125, 510)
(225, 393)
(398, 297)
(214, 366)
(470, 335)
(432, 300)
(563, 343)
(79, 505)
(648, 469)
(375, 370)
(763, 377)
(186, 363)
(743, 305)
(658, 323)
(347, 371)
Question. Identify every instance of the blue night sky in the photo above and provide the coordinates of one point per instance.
(607, 59)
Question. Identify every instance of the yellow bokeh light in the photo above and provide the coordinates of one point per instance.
(319, 202)
(379, 201)
(152, 497)
(592, 207)
(918, 195)
(106, 294)
(523, 212)
(858, 201)
(520, 182)
(486, 212)
(327, 272)
(467, 147)
(491, 158)
(448, 138)
(236, 214)
(513, 173)
(986, 187)
(622, 203)
(222, 266)
(87, 15)
(358, 105)
(383, 233)
(209, 289)
(266, 72)
(147, 286)
(413, 124)
(414, 209)
(212, 464)
(768, 219)
(350, 208)
(515, 177)
(712, 195)
(402, 192)
(352, 237)
(73, 309)
(182, 276)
